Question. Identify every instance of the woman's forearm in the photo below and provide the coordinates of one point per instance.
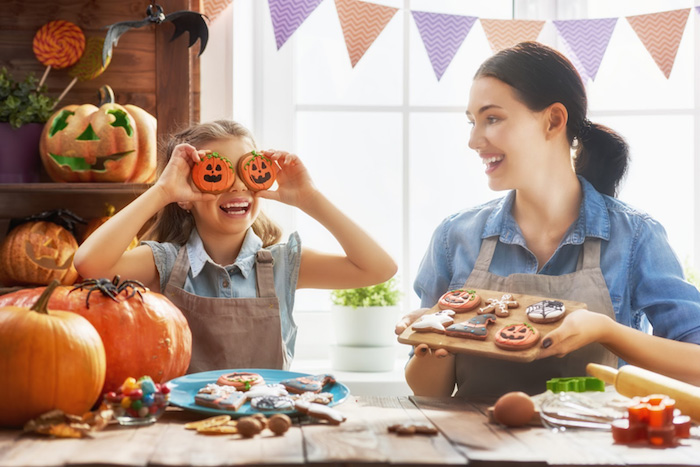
(429, 375)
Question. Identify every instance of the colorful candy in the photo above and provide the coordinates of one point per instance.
(138, 401)
(89, 66)
(58, 44)
(653, 420)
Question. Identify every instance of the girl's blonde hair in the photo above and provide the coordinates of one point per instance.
(173, 224)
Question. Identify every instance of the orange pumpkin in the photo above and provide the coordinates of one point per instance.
(112, 143)
(36, 253)
(49, 359)
(143, 333)
(257, 171)
(97, 222)
(213, 174)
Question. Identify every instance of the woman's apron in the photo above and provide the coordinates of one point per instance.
(231, 332)
(488, 378)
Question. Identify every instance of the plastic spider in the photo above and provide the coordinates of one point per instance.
(111, 288)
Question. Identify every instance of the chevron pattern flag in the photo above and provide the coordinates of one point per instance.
(661, 34)
(287, 16)
(362, 22)
(698, 9)
(442, 36)
(504, 33)
(587, 40)
(212, 8)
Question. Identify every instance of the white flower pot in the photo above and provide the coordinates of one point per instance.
(364, 326)
(364, 359)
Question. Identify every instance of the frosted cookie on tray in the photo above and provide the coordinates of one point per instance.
(434, 322)
(517, 337)
(546, 311)
(261, 390)
(231, 402)
(459, 300)
(307, 383)
(272, 403)
(475, 328)
(499, 306)
(324, 398)
(240, 380)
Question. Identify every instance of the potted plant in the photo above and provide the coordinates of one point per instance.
(363, 322)
(24, 108)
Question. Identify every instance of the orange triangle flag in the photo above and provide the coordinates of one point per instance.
(504, 33)
(362, 22)
(212, 8)
(661, 34)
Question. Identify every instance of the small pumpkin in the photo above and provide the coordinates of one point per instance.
(112, 143)
(36, 253)
(142, 331)
(257, 171)
(49, 359)
(213, 173)
(97, 222)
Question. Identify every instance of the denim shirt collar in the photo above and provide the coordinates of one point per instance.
(244, 262)
(592, 221)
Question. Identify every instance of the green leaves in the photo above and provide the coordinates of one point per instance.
(384, 294)
(21, 102)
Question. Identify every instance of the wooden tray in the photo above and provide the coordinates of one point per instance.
(487, 347)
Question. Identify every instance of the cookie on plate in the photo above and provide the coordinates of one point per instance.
(240, 380)
(307, 383)
(272, 403)
(231, 402)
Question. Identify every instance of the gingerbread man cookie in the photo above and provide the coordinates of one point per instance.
(435, 322)
(499, 306)
(460, 300)
(546, 311)
(475, 328)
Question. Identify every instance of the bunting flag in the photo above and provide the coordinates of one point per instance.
(212, 8)
(442, 36)
(504, 33)
(362, 22)
(698, 9)
(661, 34)
(287, 16)
(587, 40)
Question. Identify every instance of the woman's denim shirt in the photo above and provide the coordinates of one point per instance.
(642, 272)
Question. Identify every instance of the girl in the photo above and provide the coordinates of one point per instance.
(217, 258)
(559, 233)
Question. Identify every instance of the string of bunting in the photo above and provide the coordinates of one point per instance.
(586, 40)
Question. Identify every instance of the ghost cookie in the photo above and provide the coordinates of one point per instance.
(213, 173)
(434, 322)
(517, 337)
(475, 328)
(546, 311)
(459, 300)
(499, 306)
(307, 383)
(232, 401)
(257, 171)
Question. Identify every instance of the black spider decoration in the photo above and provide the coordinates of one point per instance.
(111, 288)
(184, 20)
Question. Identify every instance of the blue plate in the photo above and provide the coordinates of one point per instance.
(184, 388)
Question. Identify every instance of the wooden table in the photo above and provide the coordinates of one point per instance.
(465, 437)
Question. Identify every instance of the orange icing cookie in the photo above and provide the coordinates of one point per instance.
(257, 171)
(213, 174)
(517, 337)
(459, 300)
(242, 381)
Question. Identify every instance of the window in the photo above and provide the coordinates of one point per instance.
(381, 139)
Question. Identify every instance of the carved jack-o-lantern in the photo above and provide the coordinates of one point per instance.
(257, 171)
(459, 300)
(517, 336)
(213, 174)
(36, 253)
(112, 143)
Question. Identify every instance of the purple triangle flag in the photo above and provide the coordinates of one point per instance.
(586, 40)
(697, 8)
(442, 35)
(287, 16)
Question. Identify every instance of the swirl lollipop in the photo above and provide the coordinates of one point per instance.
(58, 44)
(89, 66)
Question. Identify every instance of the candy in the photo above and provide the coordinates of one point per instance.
(652, 420)
(89, 66)
(138, 401)
(58, 44)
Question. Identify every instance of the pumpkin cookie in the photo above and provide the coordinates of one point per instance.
(459, 300)
(213, 174)
(257, 171)
(242, 380)
(517, 337)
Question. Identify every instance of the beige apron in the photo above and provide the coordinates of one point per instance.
(231, 332)
(487, 378)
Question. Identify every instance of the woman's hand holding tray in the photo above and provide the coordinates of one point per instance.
(487, 347)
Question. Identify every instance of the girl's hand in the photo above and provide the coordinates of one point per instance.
(409, 319)
(295, 186)
(580, 328)
(423, 351)
(176, 182)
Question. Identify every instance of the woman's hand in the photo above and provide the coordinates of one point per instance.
(294, 184)
(175, 182)
(409, 319)
(580, 328)
(423, 351)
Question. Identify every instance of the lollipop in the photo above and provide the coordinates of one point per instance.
(89, 66)
(58, 44)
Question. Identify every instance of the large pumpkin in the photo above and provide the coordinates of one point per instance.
(143, 333)
(112, 143)
(49, 359)
(36, 253)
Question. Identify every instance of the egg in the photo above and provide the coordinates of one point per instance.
(514, 409)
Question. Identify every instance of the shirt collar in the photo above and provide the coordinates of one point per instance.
(245, 261)
(593, 219)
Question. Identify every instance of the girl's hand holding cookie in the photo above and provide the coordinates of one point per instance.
(175, 181)
(295, 186)
(580, 328)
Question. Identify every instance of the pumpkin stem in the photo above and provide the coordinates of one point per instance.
(42, 302)
(106, 95)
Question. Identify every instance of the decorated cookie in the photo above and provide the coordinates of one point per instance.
(517, 337)
(260, 390)
(307, 383)
(232, 401)
(272, 403)
(459, 300)
(434, 322)
(257, 171)
(499, 306)
(213, 174)
(217, 389)
(475, 328)
(320, 411)
(242, 381)
(546, 311)
(324, 398)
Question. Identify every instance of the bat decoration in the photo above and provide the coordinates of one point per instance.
(184, 20)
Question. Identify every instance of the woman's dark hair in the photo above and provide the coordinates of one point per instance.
(542, 76)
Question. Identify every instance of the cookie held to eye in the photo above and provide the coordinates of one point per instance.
(257, 171)
(213, 174)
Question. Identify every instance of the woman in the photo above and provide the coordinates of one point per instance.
(559, 233)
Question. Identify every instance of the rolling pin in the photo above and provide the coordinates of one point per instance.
(632, 381)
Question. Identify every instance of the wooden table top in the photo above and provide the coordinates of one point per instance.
(466, 437)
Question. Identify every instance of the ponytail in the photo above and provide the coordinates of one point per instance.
(602, 157)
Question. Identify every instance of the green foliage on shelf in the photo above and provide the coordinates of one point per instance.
(384, 294)
(21, 102)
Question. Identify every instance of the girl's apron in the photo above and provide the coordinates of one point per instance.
(231, 332)
(488, 378)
